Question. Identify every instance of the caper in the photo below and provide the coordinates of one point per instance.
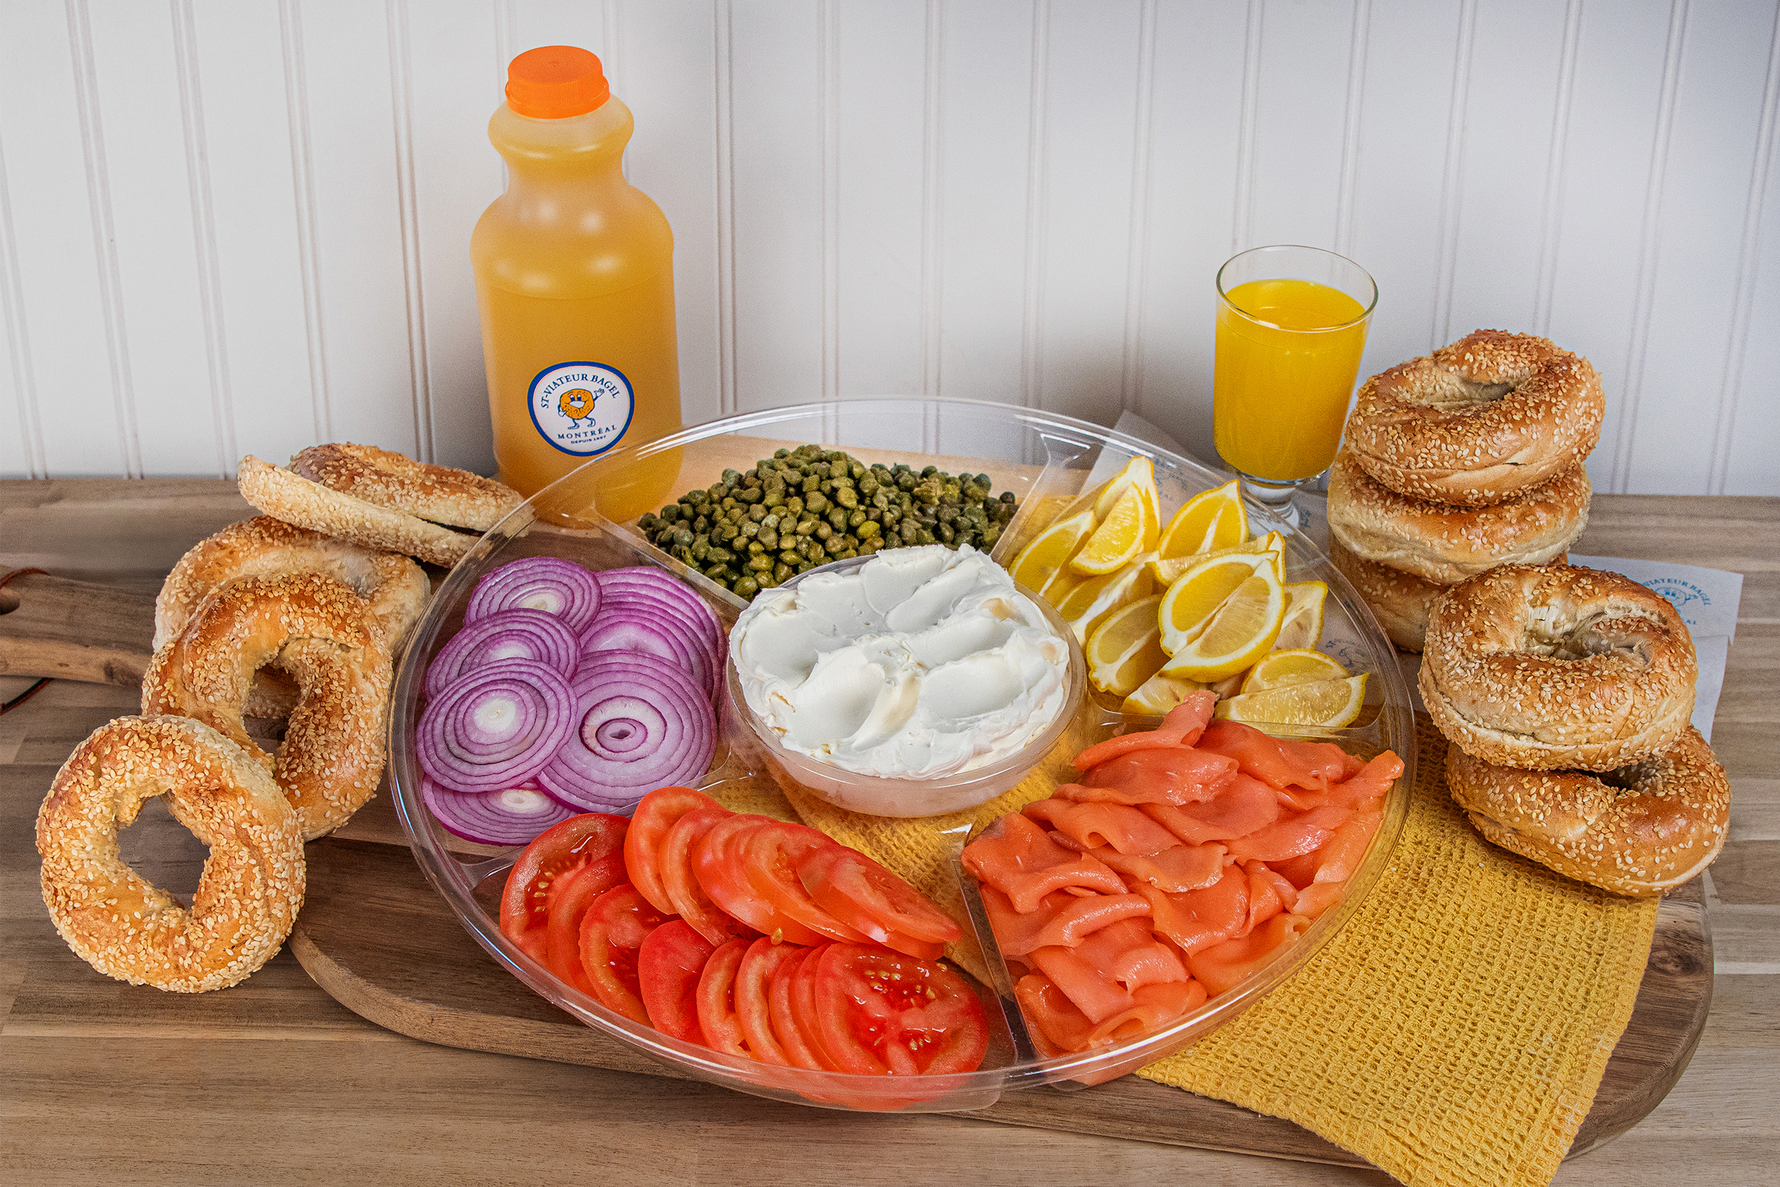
(806, 504)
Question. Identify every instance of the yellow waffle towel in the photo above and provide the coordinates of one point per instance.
(1455, 1031)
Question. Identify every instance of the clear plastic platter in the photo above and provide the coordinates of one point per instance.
(1046, 460)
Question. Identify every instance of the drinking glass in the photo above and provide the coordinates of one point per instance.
(1291, 327)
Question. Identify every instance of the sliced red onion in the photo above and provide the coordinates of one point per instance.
(621, 585)
(518, 633)
(640, 723)
(631, 629)
(497, 727)
(510, 817)
(544, 583)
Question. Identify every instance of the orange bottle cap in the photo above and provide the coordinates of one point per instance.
(553, 82)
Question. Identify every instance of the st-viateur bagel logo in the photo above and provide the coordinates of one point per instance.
(576, 403)
(581, 408)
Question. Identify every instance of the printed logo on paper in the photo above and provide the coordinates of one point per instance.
(581, 408)
(1681, 593)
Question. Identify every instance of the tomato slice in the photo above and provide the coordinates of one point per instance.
(782, 1010)
(668, 967)
(612, 930)
(770, 855)
(909, 946)
(577, 841)
(687, 897)
(655, 814)
(568, 900)
(870, 899)
(803, 1004)
(716, 1000)
(882, 1013)
(753, 979)
(722, 861)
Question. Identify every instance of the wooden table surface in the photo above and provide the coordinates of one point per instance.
(274, 1081)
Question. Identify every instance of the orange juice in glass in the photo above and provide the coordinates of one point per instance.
(1291, 328)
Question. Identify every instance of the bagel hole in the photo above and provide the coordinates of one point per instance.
(1632, 778)
(163, 851)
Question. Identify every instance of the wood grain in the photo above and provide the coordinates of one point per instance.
(275, 1081)
(74, 630)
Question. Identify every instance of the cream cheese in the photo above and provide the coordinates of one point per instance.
(919, 664)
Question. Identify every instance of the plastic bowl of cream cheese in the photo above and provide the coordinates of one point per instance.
(908, 682)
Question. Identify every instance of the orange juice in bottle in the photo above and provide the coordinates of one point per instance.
(575, 284)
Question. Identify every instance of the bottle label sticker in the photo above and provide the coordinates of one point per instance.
(581, 408)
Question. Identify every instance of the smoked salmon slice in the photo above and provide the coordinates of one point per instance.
(1246, 806)
(1198, 919)
(1291, 836)
(1174, 775)
(1182, 727)
(1224, 966)
(1177, 869)
(1019, 859)
(1280, 762)
(1095, 825)
(1062, 919)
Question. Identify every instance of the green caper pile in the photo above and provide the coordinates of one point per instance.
(807, 506)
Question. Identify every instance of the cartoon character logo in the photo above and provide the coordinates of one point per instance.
(576, 403)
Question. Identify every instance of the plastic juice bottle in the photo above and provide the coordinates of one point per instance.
(1287, 355)
(575, 283)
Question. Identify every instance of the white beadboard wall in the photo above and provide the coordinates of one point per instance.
(233, 226)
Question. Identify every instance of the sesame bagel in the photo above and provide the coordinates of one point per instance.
(319, 632)
(396, 515)
(1401, 601)
(1556, 667)
(441, 494)
(1478, 421)
(1445, 544)
(1637, 830)
(252, 885)
(394, 586)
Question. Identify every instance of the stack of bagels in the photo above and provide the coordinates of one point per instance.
(1565, 694)
(299, 614)
(1457, 462)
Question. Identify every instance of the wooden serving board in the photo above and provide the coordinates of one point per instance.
(381, 942)
(376, 937)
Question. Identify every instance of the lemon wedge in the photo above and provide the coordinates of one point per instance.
(1206, 522)
(1166, 570)
(1302, 625)
(1196, 595)
(1126, 650)
(1330, 703)
(1237, 633)
(1086, 604)
(1039, 563)
(1157, 695)
(1127, 532)
(1278, 669)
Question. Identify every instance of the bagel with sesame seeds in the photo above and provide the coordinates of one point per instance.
(1444, 544)
(395, 588)
(253, 879)
(315, 630)
(1555, 667)
(379, 499)
(1479, 421)
(1638, 830)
